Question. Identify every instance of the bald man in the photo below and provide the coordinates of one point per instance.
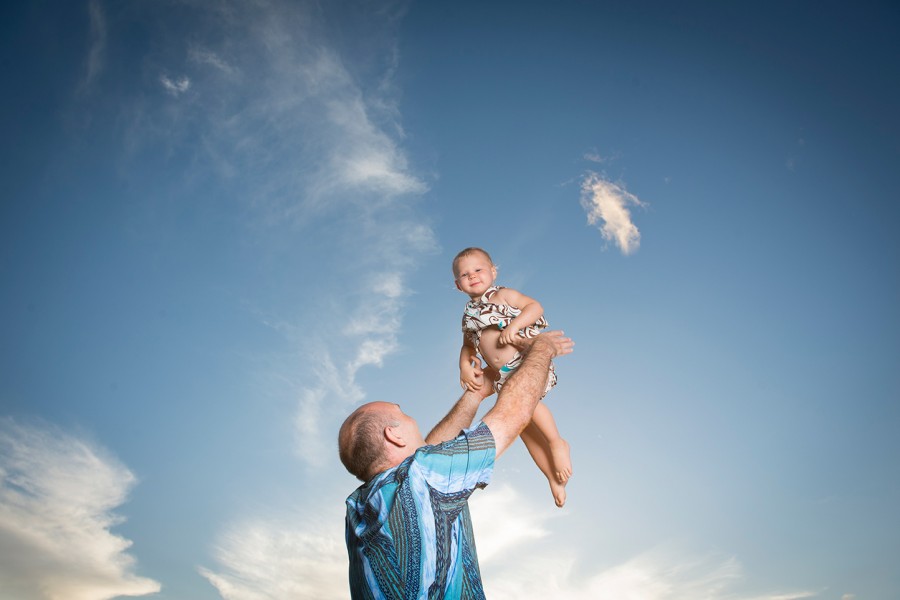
(408, 529)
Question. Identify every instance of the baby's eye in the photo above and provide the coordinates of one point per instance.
(477, 271)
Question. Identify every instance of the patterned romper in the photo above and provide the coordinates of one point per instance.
(481, 314)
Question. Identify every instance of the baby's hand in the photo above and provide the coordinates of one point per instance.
(470, 385)
(509, 335)
(470, 378)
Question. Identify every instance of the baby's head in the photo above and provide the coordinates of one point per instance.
(474, 271)
(469, 252)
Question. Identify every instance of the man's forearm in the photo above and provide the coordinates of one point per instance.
(460, 417)
(520, 396)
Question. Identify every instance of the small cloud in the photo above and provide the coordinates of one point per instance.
(848, 597)
(175, 87)
(607, 203)
(287, 557)
(57, 494)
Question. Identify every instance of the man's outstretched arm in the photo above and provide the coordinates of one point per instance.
(515, 406)
(461, 415)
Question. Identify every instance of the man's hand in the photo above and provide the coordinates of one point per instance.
(555, 341)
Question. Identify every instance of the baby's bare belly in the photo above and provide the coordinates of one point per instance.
(492, 352)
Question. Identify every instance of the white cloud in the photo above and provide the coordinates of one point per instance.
(663, 573)
(286, 558)
(57, 494)
(503, 522)
(519, 560)
(607, 203)
(175, 87)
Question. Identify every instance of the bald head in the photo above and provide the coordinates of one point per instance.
(361, 440)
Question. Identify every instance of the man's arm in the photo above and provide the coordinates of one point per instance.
(461, 415)
(515, 406)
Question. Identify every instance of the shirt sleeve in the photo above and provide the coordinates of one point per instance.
(461, 464)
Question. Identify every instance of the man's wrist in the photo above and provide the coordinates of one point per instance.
(541, 345)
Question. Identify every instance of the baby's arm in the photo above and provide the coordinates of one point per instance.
(531, 312)
(469, 367)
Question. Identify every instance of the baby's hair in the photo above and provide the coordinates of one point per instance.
(467, 252)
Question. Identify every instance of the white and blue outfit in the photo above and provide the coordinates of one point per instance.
(408, 530)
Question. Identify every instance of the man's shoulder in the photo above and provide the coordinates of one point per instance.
(475, 439)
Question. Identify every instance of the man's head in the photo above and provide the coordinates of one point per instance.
(375, 437)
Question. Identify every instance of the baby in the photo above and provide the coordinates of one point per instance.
(492, 320)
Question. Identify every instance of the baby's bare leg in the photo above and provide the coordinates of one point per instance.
(559, 448)
(539, 450)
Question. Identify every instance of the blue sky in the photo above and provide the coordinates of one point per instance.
(225, 224)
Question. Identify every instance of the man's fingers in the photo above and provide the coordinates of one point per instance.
(561, 344)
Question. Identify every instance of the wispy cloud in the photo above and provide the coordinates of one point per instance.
(285, 557)
(313, 149)
(606, 204)
(57, 494)
(97, 52)
(203, 56)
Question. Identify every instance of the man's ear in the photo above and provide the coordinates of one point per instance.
(392, 434)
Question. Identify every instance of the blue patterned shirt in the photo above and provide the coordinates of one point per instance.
(408, 529)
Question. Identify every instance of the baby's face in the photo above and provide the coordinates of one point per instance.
(475, 274)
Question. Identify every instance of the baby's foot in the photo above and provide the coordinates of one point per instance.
(562, 461)
(559, 492)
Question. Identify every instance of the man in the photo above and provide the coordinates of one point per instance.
(408, 529)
